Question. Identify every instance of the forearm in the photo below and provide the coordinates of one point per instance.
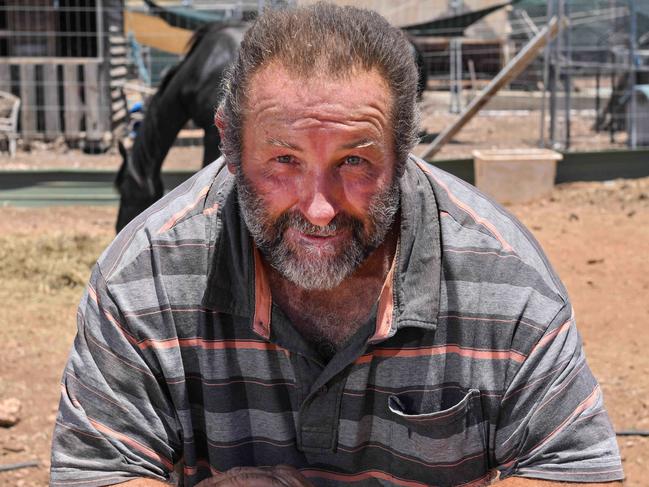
(521, 482)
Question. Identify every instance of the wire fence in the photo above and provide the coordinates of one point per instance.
(56, 57)
(77, 66)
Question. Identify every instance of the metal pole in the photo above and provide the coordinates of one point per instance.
(99, 13)
(597, 102)
(455, 59)
(567, 73)
(633, 135)
(454, 70)
(611, 125)
(451, 77)
(458, 71)
(553, 83)
(546, 76)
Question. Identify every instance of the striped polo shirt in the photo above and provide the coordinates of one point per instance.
(470, 366)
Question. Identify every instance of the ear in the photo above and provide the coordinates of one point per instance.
(220, 123)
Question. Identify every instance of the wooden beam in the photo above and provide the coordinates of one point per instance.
(51, 98)
(72, 110)
(5, 78)
(506, 75)
(94, 128)
(49, 60)
(27, 101)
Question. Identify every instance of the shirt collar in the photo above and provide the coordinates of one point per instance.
(238, 285)
(414, 281)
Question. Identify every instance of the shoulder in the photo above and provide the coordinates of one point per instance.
(186, 215)
(492, 266)
(472, 222)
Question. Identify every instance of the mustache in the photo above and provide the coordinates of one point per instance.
(295, 220)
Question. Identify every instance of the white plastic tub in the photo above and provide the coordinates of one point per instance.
(515, 175)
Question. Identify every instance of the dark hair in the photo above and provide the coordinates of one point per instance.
(330, 39)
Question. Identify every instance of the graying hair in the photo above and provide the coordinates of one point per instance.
(330, 39)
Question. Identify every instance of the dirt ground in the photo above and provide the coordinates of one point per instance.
(56, 155)
(596, 235)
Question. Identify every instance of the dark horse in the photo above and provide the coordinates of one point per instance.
(190, 90)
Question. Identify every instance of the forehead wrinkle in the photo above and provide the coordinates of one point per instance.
(314, 103)
(319, 109)
(360, 144)
(281, 143)
(351, 121)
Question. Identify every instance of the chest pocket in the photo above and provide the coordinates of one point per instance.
(439, 437)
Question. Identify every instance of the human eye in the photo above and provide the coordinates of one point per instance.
(285, 159)
(353, 160)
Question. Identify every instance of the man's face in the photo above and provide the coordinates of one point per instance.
(317, 185)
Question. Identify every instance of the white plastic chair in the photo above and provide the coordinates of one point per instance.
(9, 107)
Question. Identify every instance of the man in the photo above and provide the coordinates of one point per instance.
(320, 299)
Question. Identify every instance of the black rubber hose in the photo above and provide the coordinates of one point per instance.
(632, 433)
(16, 466)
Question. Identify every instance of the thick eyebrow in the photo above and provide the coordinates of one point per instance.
(360, 144)
(282, 143)
(357, 144)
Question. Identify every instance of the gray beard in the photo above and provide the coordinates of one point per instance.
(309, 267)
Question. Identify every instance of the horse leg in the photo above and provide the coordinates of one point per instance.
(136, 193)
(211, 143)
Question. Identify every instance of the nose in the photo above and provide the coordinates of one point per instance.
(318, 204)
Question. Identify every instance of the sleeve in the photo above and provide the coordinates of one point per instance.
(115, 420)
(553, 425)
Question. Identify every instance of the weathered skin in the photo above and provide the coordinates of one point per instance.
(190, 91)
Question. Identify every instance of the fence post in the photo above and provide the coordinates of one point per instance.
(51, 99)
(92, 84)
(27, 100)
(72, 101)
(5, 77)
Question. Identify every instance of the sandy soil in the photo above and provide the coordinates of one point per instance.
(596, 234)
